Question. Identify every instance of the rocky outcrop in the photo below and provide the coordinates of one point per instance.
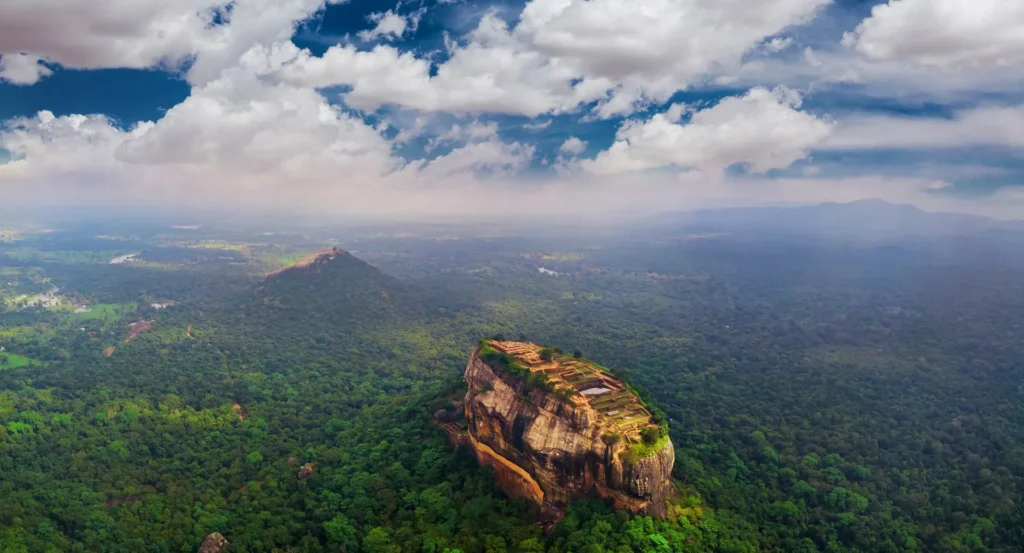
(214, 543)
(574, 432)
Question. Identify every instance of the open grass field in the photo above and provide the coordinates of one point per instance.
(108, 311)
(10, 361)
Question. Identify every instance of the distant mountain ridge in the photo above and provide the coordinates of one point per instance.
(869, 216)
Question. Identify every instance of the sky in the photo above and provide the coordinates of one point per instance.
(543, 108)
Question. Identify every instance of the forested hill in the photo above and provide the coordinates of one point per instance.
(333, 287)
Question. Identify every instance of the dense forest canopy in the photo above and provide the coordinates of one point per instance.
(825, 391)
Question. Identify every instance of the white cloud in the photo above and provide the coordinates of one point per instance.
(49, 145)
(676, 111)
(73, 160)
(146, 33)
(490, 74)
(943, 33)
(240, 123)
(778, 44)
(573, 146)
(561, 54)
(811, 58)
(237, 137)
(255, 129)
(391, 25)
(763, 129)
(985, 126)
(475, 131)
(493, 156)
(22, 69)
(619, 39)
(242, 139)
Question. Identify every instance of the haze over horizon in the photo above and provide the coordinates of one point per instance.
(442, 108)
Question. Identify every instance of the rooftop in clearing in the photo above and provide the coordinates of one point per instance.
(617, 407)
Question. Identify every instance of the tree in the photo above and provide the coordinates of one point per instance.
(378, 540)
(341, 534)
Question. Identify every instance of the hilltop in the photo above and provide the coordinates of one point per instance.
(316, 258)
(333, 286)
(557, 429)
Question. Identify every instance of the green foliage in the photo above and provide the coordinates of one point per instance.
(118, 449)
(645, 448)
(651, 434)
(821, 399)
(11, 361)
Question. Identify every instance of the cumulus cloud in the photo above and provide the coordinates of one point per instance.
(943, 33)
(237, 137)
(242, 139)
(80, 160)
(264, 123)
(492, 156)
(489, 74)
(144, 33)
(621, 39)
(239, 123)
(984, 126)
(22, 69)
(573, 146)
(560, 54)
(764, 129)
(391, 25)
(475, 131)
(778, 44)
(47, 145)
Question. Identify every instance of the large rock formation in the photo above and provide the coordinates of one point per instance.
(556, 429)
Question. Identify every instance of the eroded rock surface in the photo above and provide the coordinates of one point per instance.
(574, 434)
(214, 543)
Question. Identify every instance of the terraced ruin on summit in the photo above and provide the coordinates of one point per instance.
(617, 407)
(558, 428)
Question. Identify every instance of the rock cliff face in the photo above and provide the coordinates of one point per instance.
(557, 429)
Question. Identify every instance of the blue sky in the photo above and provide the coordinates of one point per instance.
(425, 109)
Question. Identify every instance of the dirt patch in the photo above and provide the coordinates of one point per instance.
(307, 470)
(237, 408)
(137, 328)
(109, 351)
(313, 259)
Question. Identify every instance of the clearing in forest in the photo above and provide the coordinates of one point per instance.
(10, 361)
